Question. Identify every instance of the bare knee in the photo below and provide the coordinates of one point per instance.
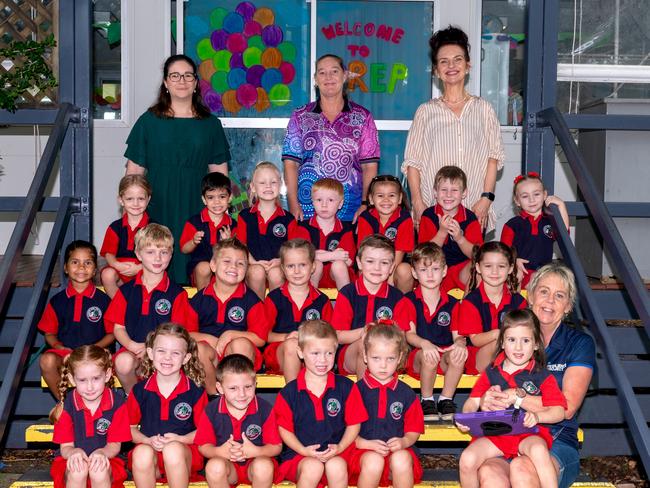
(310, 469)
(261, 469)
(256, 273)
(206, 351)
(78, 477)
(125, 363)
(494, 473)
(50, 362)
(143, 457)
(109, 275)
(241, 345)
(216, 469)
(401, 462)
(372, 462)
(469, 460)
(99, 475)
(174, 453)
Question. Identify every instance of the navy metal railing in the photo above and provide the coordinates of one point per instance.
(628, 272)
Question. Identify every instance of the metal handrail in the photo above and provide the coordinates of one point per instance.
(65, 114)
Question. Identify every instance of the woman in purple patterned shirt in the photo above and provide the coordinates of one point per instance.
(332, 137)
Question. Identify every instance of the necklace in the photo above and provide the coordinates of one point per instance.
(449, 102)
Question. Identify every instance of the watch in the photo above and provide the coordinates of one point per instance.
(488, 194)
(520, 394)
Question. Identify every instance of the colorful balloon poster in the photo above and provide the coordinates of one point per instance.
(249, 56)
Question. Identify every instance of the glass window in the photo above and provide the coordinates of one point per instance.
(253, 58)
(107, 59)
(502, 58)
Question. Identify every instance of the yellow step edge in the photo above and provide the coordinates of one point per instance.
(432, 433)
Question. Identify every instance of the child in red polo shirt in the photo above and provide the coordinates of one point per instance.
(319, 414)
(204, 230)
(142, 304)
(75, 316)
(237, 432)
(90, 423)
(518, 369)
(263, 228)
(165, 408)
(388, 216)
(294, 302)
(118, 247)
(452, 226)
(226, 317)
(369, 299)
(333, 239)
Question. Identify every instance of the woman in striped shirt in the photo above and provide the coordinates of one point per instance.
(455, 129)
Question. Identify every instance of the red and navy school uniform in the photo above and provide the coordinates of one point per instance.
(264, 238)
(258, 424)
(243, 311)
(535, 382)
(456, 259)
(141, 311)
(211, 235)
(91, 431)
(284, 316)
(119, 241)
(399, 228)
(317, 420)
(432, 325)
(355, 307)
(393, 411)
(532, 238)
(341, 237)
(477, 314)
(77, 319)
(179, 413)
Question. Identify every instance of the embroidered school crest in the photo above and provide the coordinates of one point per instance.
(253, 431)
(333, 407)
(391, 233)
(444, 319)
(163, 306)
(236, 314)
(183, 411)
(94, 314)
(548, 231)
(384, 313)
(396, 409)
(279, 230)
(332, 245)
(530, 387)
(312, 314)
(102, 425)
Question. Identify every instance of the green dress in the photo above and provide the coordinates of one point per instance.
(175, 153)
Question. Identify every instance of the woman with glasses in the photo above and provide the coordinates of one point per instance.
(176, 142)
(456, 129)
(332, 137)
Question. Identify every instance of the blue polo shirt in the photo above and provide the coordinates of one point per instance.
(531, 237)
(179, 413)
(264, 238)
(285, 316)
(568, 347)
(398, 228)
(434, 326)
(318, 420)
(211, 235)
(120, 238)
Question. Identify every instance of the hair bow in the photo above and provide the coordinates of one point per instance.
(530, 174)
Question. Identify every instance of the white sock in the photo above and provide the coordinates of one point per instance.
(429, 398)
(441, 398)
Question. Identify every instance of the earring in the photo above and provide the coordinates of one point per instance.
(166, 90)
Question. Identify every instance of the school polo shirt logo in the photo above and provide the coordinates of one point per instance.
(384, 313)
(396, 409)
(236, 314)
(253, 431)
(312, 314)
(279, 230)
(391, 233)
(333, 245)
(163, 306)
(548, 231)
(183, 411)
(444, 319)
(333, 407)
(102, 425)
(94, 314)
(530, 388)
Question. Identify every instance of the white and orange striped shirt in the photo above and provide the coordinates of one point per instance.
(439, 138)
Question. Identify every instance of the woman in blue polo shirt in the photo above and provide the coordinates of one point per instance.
(571, 358)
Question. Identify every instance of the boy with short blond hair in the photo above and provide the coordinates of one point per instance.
(435, 347)
(226, 317)
(451, 226)
(368, 299)
(145, 302)
(237, 433)
(319, 414)
(333, 239)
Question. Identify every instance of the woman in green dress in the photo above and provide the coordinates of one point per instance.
(176, 142)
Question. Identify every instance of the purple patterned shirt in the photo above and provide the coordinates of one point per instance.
(325, 149)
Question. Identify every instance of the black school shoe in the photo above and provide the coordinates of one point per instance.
(430, 411)
(447, 409)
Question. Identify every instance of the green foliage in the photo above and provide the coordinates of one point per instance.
(29, 71)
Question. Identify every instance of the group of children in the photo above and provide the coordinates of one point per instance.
(177, 353)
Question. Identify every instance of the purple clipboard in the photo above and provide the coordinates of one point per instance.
(494, 423)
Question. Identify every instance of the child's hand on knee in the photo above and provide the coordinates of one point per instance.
(98, 462)
(77, 461)
(431, 353)
(157, 442)
(380, 447)
(531, 419)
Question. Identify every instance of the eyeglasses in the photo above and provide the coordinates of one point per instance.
(176, 77)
